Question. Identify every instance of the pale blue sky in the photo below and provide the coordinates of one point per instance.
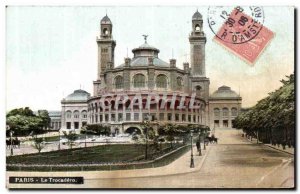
(51, 51)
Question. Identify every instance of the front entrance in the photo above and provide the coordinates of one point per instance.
(132, 130)
(225, 123)
(216, 123)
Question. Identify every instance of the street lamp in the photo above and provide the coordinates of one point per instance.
(200, 154)
(11, 143)
(192, 156)
(147, 122)
(58, 139)
(146, 149)
(85, 139)
(204, 147)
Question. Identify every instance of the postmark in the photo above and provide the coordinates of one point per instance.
(236, 25)
(240, 30)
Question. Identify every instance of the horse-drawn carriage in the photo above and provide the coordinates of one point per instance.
(210, 139)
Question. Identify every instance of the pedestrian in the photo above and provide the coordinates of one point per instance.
(198, 145)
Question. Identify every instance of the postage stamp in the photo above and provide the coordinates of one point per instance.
(241, 30)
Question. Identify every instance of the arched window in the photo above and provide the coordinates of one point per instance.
(161, 81)
(105, 31)
(198, 90)
(68, 114)
(217, 112)
(233, 112)
(139, 81)
(197, 28)
(76, 114)
(225, 112)
(119, 82)
(84, 114)
(179, 83)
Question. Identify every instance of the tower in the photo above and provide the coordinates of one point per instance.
(199, 81)
(106, 47)
(197, 45)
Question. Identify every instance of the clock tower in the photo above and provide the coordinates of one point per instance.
(106, 47)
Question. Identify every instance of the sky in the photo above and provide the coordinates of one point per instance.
(52, 51)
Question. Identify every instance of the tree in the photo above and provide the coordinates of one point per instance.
(170, 130)
(44, 115)
(21, 111)
(23, 121)
(71, 137)
(24, 125)
(161, 141)
(98, 129)
(38, 143)
(146, 128)
(272, 119)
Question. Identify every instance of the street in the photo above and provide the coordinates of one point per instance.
(233, 163)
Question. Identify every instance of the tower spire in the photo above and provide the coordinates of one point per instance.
(197, 41)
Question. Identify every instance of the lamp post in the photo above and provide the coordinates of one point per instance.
(200, 154)
(192, 165)
(58, 139)
(204, 147)
(85, 139)
(147, 122)
(146, 149)
(11, 143)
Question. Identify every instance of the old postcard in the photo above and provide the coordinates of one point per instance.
(186, 97)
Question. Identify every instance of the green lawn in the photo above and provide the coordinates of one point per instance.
(97, 154)
(81, 167)
(52, 138)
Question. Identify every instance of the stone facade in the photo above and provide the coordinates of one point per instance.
(224, 106)
(74, 113)
(55, 117)
(143, 75)
(146, 74)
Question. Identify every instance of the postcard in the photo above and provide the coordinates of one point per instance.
(150, 97)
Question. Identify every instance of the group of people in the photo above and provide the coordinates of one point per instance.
(207, 140)
(15, 143)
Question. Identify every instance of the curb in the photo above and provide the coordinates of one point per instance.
(203, 159)
(279, 149)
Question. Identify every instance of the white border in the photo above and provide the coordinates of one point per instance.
(103, 3)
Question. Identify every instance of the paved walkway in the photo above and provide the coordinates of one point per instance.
(48, 134)
(27, 148)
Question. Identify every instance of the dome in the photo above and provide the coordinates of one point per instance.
(78, 95)
(145, 47)
(143, 53)
(197, 16)
(225, 92)
(105, 20)
(143, 61)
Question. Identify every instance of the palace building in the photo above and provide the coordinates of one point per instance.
(125, 95)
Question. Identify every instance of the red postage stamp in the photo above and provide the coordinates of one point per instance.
(241, 33)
